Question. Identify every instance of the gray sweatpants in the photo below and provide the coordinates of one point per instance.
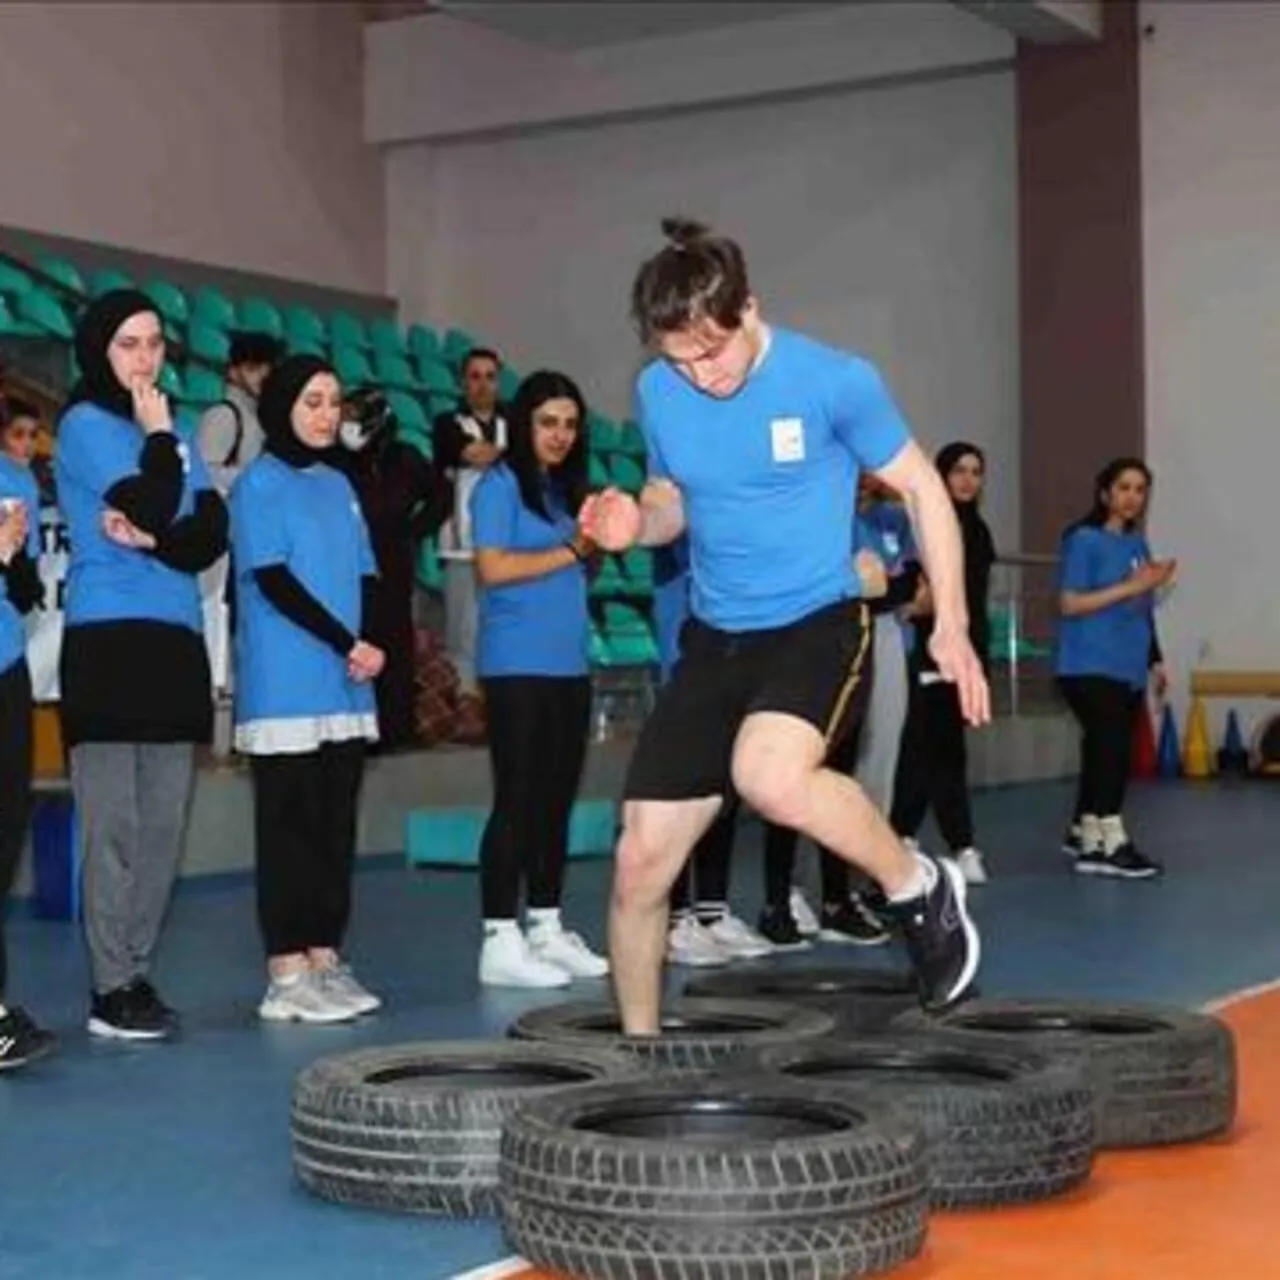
(881, 735)
(460, 622)
(131, 809)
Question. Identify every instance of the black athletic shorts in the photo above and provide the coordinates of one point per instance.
(817, 669)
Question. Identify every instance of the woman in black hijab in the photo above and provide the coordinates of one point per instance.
(933, 762)
(143, 521)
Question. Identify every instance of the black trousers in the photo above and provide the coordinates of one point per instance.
(780, 845)
(1105, 709)
(706, 874)
(305, 809)
(15, 784)
(537, 747)
(933, 766)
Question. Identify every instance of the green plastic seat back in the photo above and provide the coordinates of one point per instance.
(424, 342)
(302, 325)
(212, 307)
(105, 281)
(44, 310)
(65, 273)
(393, 370)
(209, 343)
(412, 417)
(346, 330)
(385, 336)
(170, 300)
(203, 386)
(438, 380)
(457, 342)
(257, 315)
(352, 367)
(14, 280)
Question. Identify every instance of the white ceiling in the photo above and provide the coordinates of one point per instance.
(590, 24)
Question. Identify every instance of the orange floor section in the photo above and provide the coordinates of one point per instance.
(1205, 1212)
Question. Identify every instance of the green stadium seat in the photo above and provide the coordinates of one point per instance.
(621, 619)
(346, 330)
(597, 473)
(631, 440)
(457, 342)
(14, 281)
(105, 281)
(394, 371)
(303, 329)
(170, 382)
(627, 473)
(214, 308)
(637, 568)
(202, 385)
(41, 309)
(209, 343)
(508, 384)
(9, 325)
(609, 581)
(171, 301)
(424, 343)
(438, 380)
(430, 570)
(385, 336)
(602, 433)
(597, 649)
(257, 315)
(410, 414)
(65, 273)
(352, 367)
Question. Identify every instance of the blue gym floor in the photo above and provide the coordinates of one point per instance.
(172, 1162)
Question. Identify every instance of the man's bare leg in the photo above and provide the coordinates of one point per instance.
(657, 840)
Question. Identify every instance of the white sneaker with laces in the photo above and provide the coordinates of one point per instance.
(802, 914)
(300, 998)
(341, 984)
(972, 866)
(556, 945)
(507, 960)
(692, 947)
(737, 939)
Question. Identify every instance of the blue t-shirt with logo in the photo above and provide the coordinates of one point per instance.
(1115, 641)
(105, 581)
(768, 476)
(308, 520)
(885, 528)
(16, 481)
(538, 626)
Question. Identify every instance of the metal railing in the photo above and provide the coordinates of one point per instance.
(1023, 611)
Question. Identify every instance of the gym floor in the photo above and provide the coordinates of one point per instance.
(159, 1162)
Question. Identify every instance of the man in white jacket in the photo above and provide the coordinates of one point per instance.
(230, 436)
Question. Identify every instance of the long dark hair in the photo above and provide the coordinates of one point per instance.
(569, 478)
(1098, 514)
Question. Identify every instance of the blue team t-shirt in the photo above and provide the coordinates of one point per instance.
(768, 476)
(885, 528)
(16, 481)
(537, 627)
(292, 689)
(1115, 641)
(107, 582)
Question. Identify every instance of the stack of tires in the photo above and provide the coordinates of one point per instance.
(754, 1138)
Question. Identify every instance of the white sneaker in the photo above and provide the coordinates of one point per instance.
(340, 983)
(692, 947)
(971, 866)
(802, 914)
(507, 960)
(554, 944)
(302, 999)
(737, 939)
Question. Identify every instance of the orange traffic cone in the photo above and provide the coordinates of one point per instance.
(1143, 753)
(1197, 759)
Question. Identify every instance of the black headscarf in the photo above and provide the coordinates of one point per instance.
(97, 325)
(280, 393)
(979, 546)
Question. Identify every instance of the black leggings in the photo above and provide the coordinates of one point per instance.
(933, 766)
(780, 846)
(305, 809)
(537, 747)
(707, 871)
(15, 782)
(1105, 709)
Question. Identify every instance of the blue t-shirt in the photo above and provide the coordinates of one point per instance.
(292, 689)
(768, 476)
(16, 481)
(537, 627)
(885, 528)
(1115, 641)
(107, 582)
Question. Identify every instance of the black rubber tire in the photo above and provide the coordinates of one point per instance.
(1159, 1075)
(731, 1027)
(827, 1204)
(361, 1138)
(860, 998)
(1002, 1124)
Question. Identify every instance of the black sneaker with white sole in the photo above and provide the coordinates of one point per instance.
(134, 1012)
(22, 1041)
(940, 937)
(852, 923)
(779, 926)
(1124, 863)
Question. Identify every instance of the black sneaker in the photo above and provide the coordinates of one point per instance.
(852, 923)
(779, 926)
(21, 1041)
(941, 938)
(149, 997)
(130, 1013)
(1073, 841)
(1125, 863)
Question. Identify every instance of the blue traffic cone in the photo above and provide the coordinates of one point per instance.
(1233, 757)
(1169, 757)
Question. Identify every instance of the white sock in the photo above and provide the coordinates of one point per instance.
(1113, 833)
(711, 912)
(290, 979)
(1090, 833)
(500, 928)
(544, 917)
(922, 882)
(4, 1012)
